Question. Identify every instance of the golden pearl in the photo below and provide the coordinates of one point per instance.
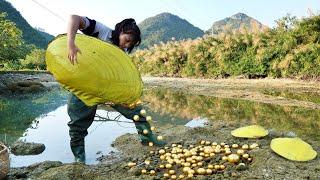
(202, 142)
(190, 175)
(216, 167)
(153, 128)
(161, 166)
(159, 138)
(201, 171)
(225, 158)
(145, 131)
(240, 152)
(162, 151)
(187, 164)
(214, 144)
(246, 156)
(210, 166)
(165, 175)
(143, 171)
(171, 171)
(152, 172)
(254, 145)
(185, 169)
(173, 177)
(150, 144)
(143, 112)
(181, 176)
(245, 147)
(222, 167)
(212, 154)
(208, 143)
(136, 118)
(235, 146)
(148, 118)
(233, 158)
(168, 166)
(228, 152)
(147, 162)
(208, 171)
(131, 164)
(191, 171)
(199, 158)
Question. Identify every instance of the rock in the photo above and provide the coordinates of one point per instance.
(241, 167)
(274, 133)
(290, 134)
(4, 161)
(23, 148)
(67, 172)
(33, 170)
(3, 88)
(135, 171)
(26, 87)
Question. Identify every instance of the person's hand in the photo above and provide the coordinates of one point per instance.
(72, 53)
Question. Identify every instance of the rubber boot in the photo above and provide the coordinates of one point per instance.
(149, 137)
(79, 154)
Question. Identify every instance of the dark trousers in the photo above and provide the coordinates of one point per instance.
(82, 116)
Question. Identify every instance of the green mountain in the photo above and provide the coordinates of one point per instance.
(30, 35)
(163, 27)
(236, 22)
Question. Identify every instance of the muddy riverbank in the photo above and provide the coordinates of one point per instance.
(265, 163)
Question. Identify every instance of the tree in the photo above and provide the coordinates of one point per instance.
(10, 40)
(35, 60)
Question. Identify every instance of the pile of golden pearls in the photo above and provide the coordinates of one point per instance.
(186, 161)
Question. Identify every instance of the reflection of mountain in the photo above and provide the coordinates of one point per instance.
(18, 113)
(179, 104)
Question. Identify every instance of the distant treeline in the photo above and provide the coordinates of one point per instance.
(291, 49)
(15, 53)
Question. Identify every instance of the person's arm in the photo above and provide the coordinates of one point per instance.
(75, 22)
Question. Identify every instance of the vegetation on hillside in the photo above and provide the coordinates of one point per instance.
(291, 49)
(236, 22)
(165, 26)
(14, 52)
(29, 34)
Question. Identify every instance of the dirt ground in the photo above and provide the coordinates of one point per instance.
(265, 163)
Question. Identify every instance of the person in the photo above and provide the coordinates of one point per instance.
(126, 36)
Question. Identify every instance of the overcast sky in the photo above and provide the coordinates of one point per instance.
(200, 13)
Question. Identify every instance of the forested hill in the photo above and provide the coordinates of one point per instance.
(30, 35)
(165, 26)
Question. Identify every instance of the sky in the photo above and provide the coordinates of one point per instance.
(52, 16)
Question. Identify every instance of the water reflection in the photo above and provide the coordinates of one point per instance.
(305, 122)
(302, 96)
(52, 131)
(43, 118)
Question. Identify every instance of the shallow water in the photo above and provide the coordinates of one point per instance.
(43, 118)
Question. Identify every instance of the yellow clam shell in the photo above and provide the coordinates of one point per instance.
(293, 149)
(254, 131)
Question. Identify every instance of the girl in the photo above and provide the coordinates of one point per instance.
(126, 36)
